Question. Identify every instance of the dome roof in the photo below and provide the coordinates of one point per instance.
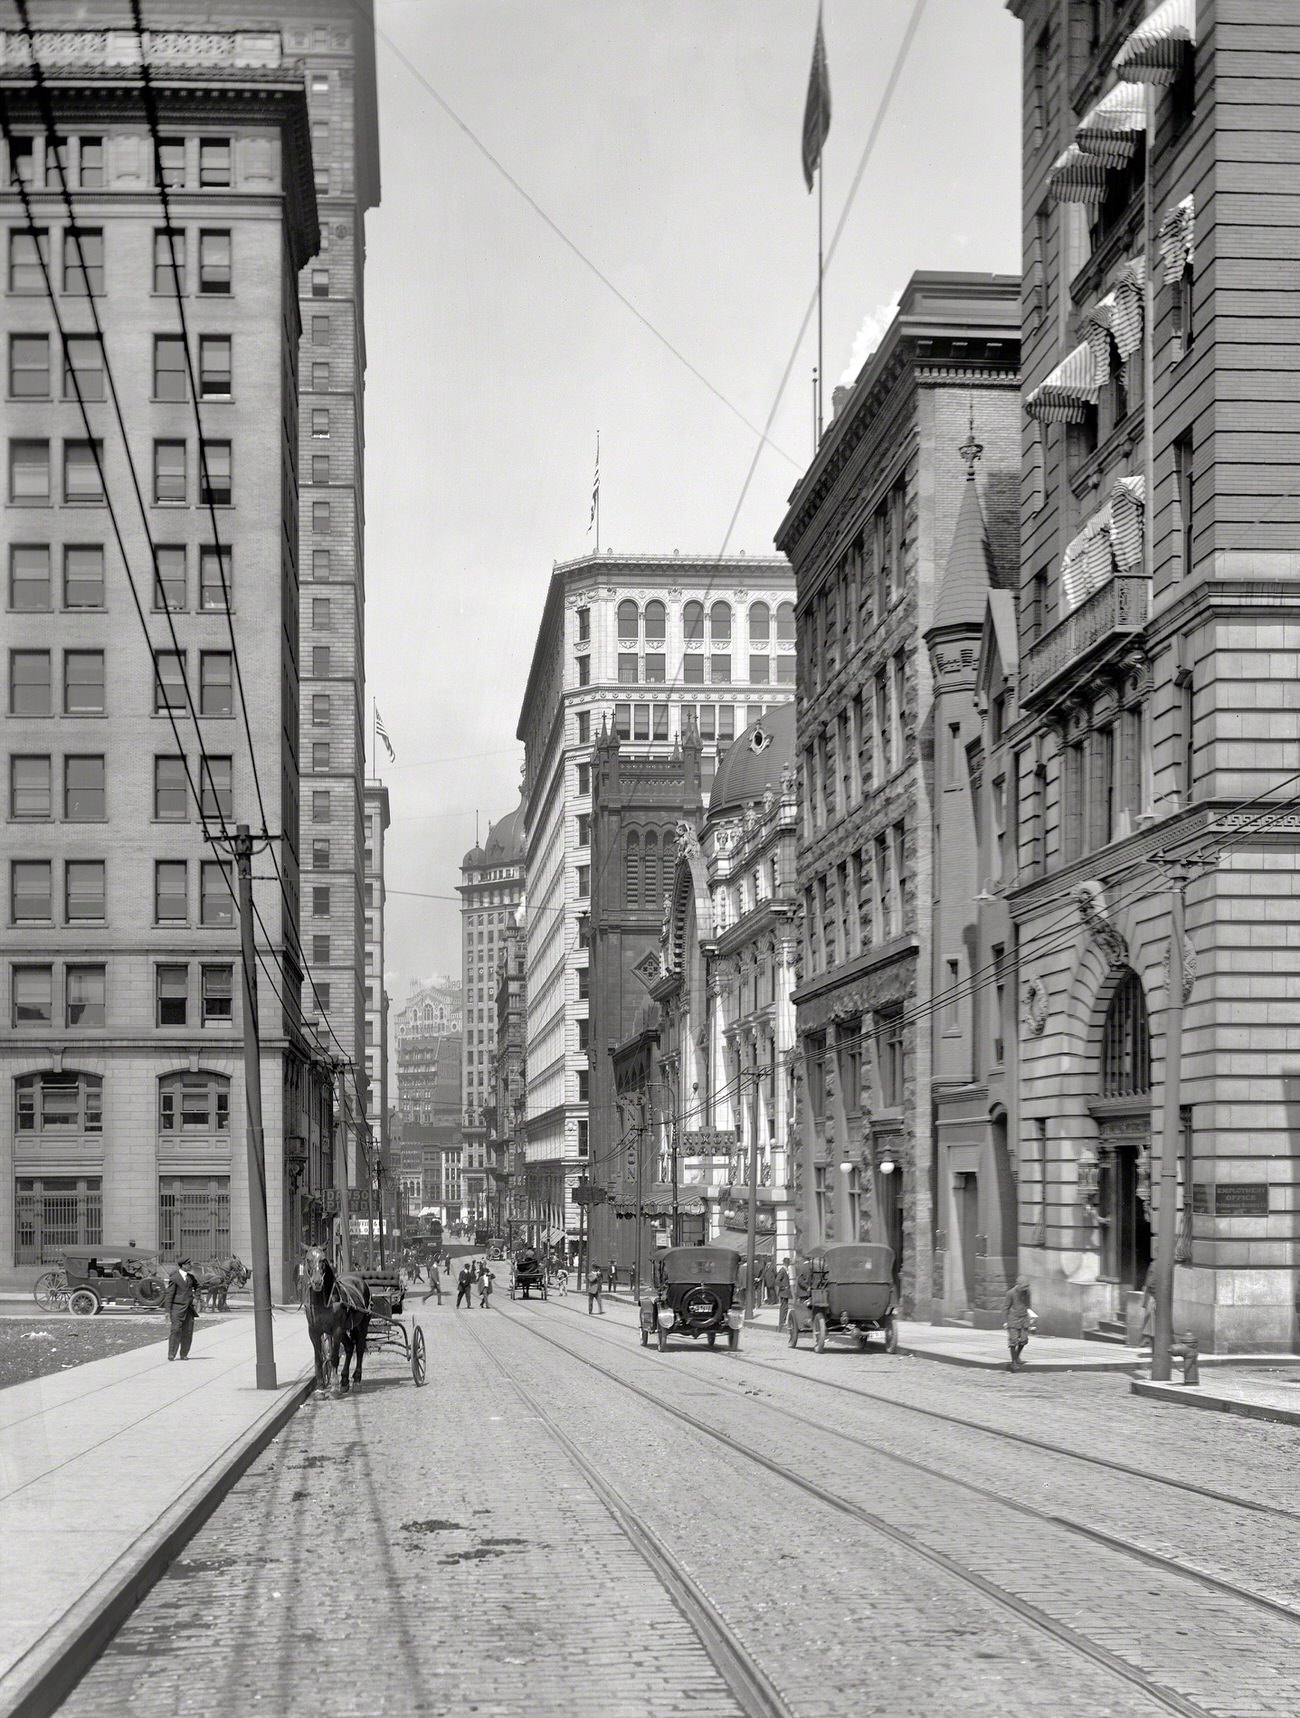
(472, 859)
(756, 761)
(505, 842)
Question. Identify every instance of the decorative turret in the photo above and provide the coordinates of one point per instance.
(968, 576)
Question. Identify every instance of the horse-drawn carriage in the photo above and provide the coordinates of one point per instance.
(694, 1294)
(850, 1292)
(347, 1312)
(90, 1278)
(527, 1272)
(387, 1329)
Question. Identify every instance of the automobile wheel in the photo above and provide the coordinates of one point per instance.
(891, 1338)
(733, 1340)
(85, 1303)
(663, 1338)
(819, 1331)
(50, 1290)
(645, 1337)
(713, 1337)
(792, 1334)
(419, 1369)
(150, 1291)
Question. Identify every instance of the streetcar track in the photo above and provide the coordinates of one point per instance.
(1024, 1438)
(756, 1695)
(1167, 1697)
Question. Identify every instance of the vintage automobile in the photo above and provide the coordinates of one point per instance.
(693, 1294)
(98, 1276)
(850, 1293)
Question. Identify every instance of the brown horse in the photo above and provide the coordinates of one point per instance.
(217, 1277)
(338, 1317)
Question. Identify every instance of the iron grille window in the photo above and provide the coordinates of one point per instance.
(1126, 1042)
(52, 1213)
(194, 1216)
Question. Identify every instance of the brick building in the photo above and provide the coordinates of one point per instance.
(123, 1096)
(506, 1141)
(1157, 659)
(868, 529)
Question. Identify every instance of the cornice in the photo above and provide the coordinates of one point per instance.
(898, 949)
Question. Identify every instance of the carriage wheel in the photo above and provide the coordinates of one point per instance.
(84, 1302)
(662, 1334)
(792, 1333)
(891, 1338)
(419, 1370)
(50, 1290)
(819, 1331)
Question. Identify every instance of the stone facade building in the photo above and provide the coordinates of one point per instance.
(377, 819)
(867, 532)
(506, 1141)
(428, 1030)
(1157, 662)
(636, 642)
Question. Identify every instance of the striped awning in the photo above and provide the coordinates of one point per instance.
(1129, 293)
(1109, 131)
(1096, 330)
(1064, 397)
(1088, 560)
(1159, 47)
(1178, 239)
(1077, 178)
(1128, 500)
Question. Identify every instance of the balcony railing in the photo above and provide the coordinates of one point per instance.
(1114, 612)
(119, 50)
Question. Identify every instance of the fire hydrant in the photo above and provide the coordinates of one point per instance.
(1187, 1354)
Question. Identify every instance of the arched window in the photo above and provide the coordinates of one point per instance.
(194, 1103)
(1126, 1042)
(760, 623)
(632, 869)
(693, 622)
(650, 881)
(64, 1103)
(656, 623)
(629, 622)
(720, 623)
(785, 623)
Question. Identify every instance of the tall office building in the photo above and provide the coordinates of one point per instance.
(491, 886)
(428, 1029)
(376, 1022)
(122, 1108)
(633, 642)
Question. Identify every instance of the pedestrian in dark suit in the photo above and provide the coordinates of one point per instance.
(180, 1303)
(464, 1284)
(595, 1283)
(783, 1293)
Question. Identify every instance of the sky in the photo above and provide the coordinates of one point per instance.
(662, 137)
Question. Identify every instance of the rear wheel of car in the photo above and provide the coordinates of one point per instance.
(819, 1331)
(891, 1338)
(85, 1303)
(792, 1334)
(645, 1337)
(662, 1334)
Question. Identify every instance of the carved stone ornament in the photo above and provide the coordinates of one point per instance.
(1036, 1006)
(688, 846)
(1091, 901)
(1189, 967)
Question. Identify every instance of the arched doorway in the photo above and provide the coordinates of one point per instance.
(1123, 1115)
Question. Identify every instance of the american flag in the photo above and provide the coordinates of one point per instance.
(382, 732)
(817, 111)
(595, 486)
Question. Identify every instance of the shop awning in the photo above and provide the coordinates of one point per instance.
(1178, 239)
(1077, 178)
(1109, 131)
(1068, 392)
(1088, 560)
(1158, 48)
(1129, 293)
(1096, 331)
(1128, 501)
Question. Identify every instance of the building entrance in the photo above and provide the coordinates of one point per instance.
(968, 1222)
(1126, 1250)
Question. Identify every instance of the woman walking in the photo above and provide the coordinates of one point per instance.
(1019, 1321)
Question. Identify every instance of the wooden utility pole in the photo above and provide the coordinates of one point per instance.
(259, 1243)
(751, 1220)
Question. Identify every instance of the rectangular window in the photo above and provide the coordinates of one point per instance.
(627, 668)
(169, 577)
(29, 579)
(22, 160)
(320, 420)
(656, 668)
(584, 778)
(623, 721)
(84, 799)
(28, 253)
(640, 721)
(214, 260)
(216, 787)
(890, 1055)
(82, 467)
(659, 717)
(29, 470)
(584, 727)
(320, 805)
(760, 670)
(33, 996)
(83, 891)
(693, 671)
(171, 995)
(29, 366)
(1186, 495)
(320, 563)
(584, 625)
(320, 330)
(216, 902)
(320, 901)
(83, 368)
(214, 162)
(214, 366)
(726, 721)
(169, 681)
(218, 995)
(320, 755)
(171, 894)
(83, 576)
(320, 468)
(168, 243)
(320, 855)
(84, 993)
(720, 670)
(584, 882)
(83, 683)
(30, 798)
(214, 578)
(320, 611)
(584, 670)
(320, 661)
(320, 951)
(30, 692)
(83, 262)
(216, 683)
(785, 670)
(170, 479)
(169, 367)
(170, 162)
(320, 710)
(320, 515)
(214, 484)
(171, 790)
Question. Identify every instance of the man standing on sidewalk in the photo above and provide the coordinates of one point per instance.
(783, 1293)
(595, 1284)
(179, 1303)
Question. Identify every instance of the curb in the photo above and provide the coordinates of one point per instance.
(974, 1365)
(1181, 1396)
(45, 1676)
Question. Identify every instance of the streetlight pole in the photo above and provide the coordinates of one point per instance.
(751, 1221)
(256, 1146)
(1162, 1334)
(640, 1160)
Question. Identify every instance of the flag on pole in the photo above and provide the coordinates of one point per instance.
(817, 111)
(595, 488)
(382, 733)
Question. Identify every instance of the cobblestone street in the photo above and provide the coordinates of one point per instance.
(565, 1523)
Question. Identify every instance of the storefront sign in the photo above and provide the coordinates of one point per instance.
(1231, 1199)
(709, 1142)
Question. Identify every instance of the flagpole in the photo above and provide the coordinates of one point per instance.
(597, 491)
(820, 270)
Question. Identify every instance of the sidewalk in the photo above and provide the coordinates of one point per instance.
(1263, 1394)
(106, 1470)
